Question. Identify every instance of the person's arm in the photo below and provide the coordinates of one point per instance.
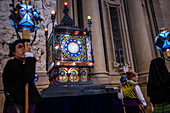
(29, 54)
(120, 94)
(28, 69)
(140, 95)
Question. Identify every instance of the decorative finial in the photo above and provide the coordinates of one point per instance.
(23, 2)
(164, 29)
(67, 20)
(27, 2)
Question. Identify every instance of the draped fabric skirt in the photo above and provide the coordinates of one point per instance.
(98, 103)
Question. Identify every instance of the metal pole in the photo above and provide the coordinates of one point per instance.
(53, 29)
(26, 98)
(46, 36)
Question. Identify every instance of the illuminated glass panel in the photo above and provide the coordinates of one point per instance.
(88, 46)
(73, 47)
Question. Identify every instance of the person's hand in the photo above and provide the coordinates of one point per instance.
(144, 107)
(117, 91)
(27, 47)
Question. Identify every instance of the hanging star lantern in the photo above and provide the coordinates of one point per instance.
(162, 40)
(25, 17)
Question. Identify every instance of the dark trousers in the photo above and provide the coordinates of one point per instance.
(133, 109)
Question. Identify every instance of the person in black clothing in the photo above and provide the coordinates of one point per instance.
(17, 72)
(158, 88)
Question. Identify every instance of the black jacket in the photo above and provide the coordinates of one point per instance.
(158, 87)
(15, 76)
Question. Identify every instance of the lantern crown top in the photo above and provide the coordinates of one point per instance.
(67, 20)
(163, 29)
(28, 2)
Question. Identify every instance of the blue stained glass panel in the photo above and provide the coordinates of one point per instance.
(26, 24)
(12, 22)
(29, 7)
(162, 41)
(30, 14)
(29, 20)
(24, 19)
(24, 6)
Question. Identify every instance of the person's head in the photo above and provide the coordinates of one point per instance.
(131, 76)
(17, 49)
(123, 80)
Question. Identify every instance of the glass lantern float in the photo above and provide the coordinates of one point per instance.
(69, 53)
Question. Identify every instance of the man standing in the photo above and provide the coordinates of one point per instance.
(19, 71)
(131, 95)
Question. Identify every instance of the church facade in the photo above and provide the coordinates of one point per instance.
(123, 33)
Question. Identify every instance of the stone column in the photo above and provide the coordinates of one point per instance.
(140, 36)
(75, 12)
(141, 40)
(91, 8)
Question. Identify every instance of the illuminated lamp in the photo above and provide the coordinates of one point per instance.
(162, 41)
(25, 18)
(58, 63)
(28, 18)
(65, 3)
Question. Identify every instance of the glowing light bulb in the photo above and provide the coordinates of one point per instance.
(89, 18)
(58, 63)
(90, 64)
(65, 3)
(53, 12)
(46, 29)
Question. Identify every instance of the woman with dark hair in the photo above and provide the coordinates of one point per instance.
(158, 88)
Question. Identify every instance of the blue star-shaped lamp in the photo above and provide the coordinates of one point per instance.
(25, 17)
(162, 41)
